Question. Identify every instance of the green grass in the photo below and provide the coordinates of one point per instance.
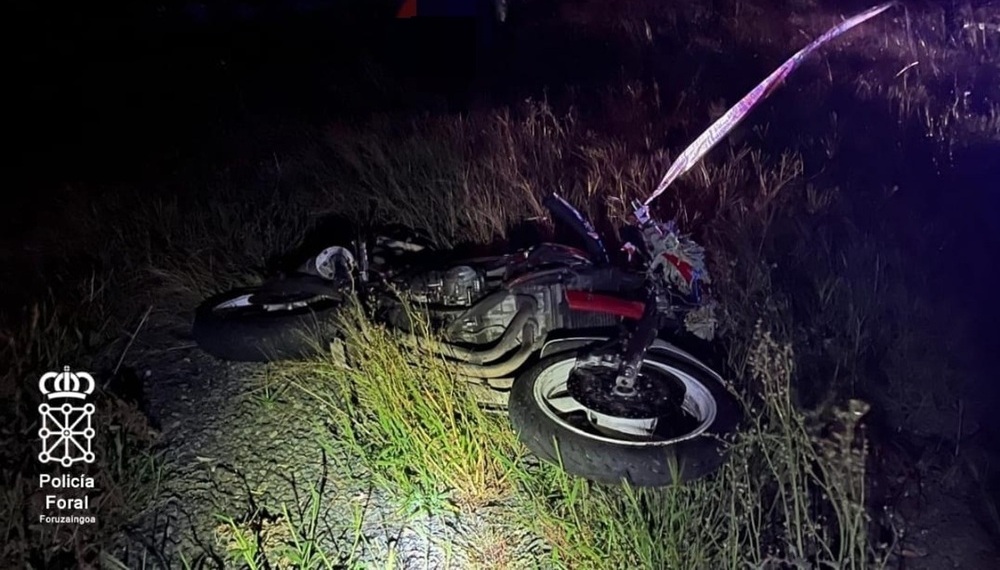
(412, 420)
(787, 496)
(290, 540)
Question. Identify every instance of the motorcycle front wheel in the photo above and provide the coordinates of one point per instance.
(648, 452)
(258, 324)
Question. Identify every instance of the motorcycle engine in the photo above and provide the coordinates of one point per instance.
(459, 286)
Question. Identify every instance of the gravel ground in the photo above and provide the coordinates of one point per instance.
(231, 449)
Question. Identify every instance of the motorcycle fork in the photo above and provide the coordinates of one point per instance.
(636, 345)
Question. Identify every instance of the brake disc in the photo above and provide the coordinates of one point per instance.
(655, 396)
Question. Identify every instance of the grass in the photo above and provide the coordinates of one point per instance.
(413, 421)
(782, 475)
(820, 307)
(588, 525)
(289, 539)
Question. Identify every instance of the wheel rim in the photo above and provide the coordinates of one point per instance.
(552, 397)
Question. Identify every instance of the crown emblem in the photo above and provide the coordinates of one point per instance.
(66, 384)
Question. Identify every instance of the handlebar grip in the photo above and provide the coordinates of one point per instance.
(564, 212)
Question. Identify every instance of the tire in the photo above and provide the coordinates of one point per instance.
(250, 333)
(609, 459)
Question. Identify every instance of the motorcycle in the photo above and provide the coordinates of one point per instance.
(576, 338)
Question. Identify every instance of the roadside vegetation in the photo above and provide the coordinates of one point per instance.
(826, 321)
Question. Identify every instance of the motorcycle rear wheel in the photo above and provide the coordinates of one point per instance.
(238, 325)
(557, 428)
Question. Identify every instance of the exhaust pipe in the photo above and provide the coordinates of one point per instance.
(507, 342)
(508, 366)
(521, 332)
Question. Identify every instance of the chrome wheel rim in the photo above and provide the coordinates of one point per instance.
(553, 398)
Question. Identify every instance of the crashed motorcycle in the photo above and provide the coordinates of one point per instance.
(571, 335)
(578, 339)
